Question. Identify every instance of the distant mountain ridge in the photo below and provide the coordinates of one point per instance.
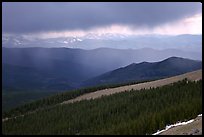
(185, 42)
(65, 68)
(145, 71)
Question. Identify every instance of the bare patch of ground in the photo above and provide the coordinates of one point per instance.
(194, 128)
(193, 76)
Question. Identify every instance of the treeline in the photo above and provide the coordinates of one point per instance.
(135, 112)
(59, 98)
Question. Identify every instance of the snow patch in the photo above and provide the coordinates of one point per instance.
(174, 125)
(200, 115)
(65, 42)
(79, 39)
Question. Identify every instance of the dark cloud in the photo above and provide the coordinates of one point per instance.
(36, 17)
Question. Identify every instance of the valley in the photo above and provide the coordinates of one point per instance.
(35, 73)
(102, 68)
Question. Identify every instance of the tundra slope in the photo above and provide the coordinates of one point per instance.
(193, 76)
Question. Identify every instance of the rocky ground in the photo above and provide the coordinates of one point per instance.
(194, 128)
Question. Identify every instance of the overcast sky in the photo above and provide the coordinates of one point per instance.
(79, 18)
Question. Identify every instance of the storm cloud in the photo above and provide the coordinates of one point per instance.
(41, 17)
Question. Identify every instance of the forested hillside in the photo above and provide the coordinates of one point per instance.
(56, 99)
(146, 71)
(135, 112)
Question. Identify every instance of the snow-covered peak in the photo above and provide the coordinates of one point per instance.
(105, 36)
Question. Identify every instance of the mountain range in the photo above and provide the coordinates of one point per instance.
(185, 42)
(32, 73)
(65, 68)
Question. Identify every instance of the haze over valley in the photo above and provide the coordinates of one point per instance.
(59, 52)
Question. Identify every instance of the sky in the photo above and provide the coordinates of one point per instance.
(53, 19)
